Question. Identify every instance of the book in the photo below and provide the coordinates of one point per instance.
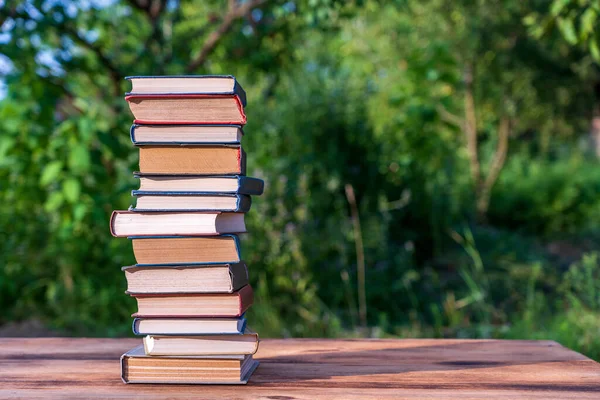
(199, 160)
(130, 223)
(137, 367)
(198, 184)
(188, 326)
(182, 250)
(181, 109)
(190, 84)
(191, 202)
(201, 345)
(185, 134)
(209, 278)
(199, 305)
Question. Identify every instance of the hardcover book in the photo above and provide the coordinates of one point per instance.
(172, 201)
(181, 109)
(188, 326)
(201, 345)
(198, 184)
(187, 84)
(198, 160)
(209, 278)
(137, 367)
(186, 250)
(130, 223)
(198, 305)
(176, 135)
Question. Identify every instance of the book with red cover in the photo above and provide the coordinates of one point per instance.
(182, 109)
(194, 305)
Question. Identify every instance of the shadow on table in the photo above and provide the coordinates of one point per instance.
(461, 365)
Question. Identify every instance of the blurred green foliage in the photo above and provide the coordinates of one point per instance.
(364, 93)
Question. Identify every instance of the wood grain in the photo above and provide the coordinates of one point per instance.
(315, 369)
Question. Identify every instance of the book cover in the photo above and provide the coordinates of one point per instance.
(141, 97)
(245, 299)
(241, 327)
(136, 142)
(245, 184)
(242, 202)
(237, 88)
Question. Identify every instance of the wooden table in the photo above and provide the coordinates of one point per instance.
(315, 369)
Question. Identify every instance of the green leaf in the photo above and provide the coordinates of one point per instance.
(595, 50)
(79, 159)
(79, 211)
(50, 172)
(588, 21)
(5, 145)
(54, 201)
(71, 190)
(567, 29)
(558, 6)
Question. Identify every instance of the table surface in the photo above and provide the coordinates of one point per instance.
(315, 369)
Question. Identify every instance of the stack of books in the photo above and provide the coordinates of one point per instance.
(190, 283)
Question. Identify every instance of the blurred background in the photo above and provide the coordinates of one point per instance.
(431, 166)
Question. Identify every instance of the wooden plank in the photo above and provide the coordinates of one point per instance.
(316, 369)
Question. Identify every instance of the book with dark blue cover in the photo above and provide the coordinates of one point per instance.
(193, 84)
(240, 323)
(159, 184)
(190, 201)
(171, 135)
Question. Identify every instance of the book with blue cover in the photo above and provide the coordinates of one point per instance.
(177, 135)
(174, 201)
(198, 184)
(189, 326)
(186, 84)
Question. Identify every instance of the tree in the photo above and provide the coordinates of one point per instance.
(577, 22)
(66, 159)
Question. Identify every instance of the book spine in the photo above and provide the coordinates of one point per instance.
(134, 326)
(132, 133)
(244, 203)
(238, 246)
(112, 223)
(242, 161)
(237, 89)
(145, 341)
(255, 344)
(251, 186)
(246, 299)
(123, 367)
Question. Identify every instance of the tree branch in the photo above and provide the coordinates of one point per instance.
(470, 127)
(114, 72)
(153, 12)
(233, 13)
(360, 255)
(450, 118)
(496, 165)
